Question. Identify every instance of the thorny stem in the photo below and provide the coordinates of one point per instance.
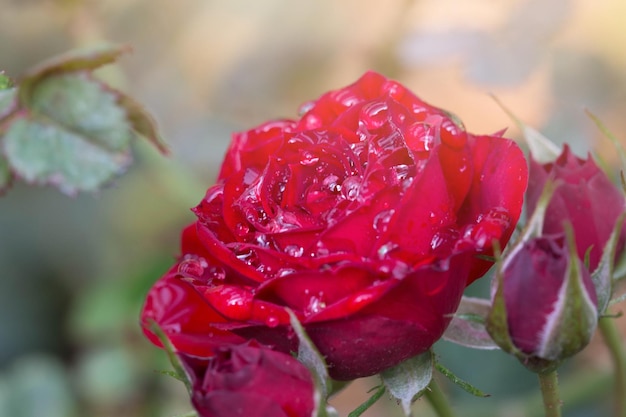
(438, 400)
(549, 384)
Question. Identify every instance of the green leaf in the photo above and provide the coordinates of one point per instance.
(142, 122)
(5, 175)
(602, 277)
(61, 126)
(380, 390)
(75, 136)
(543, 149)
(5, 81)
(8, 102)
(466, 386)
(408, 380)
(78, 60)
(467, 327)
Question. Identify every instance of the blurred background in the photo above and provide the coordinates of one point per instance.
(73, 271)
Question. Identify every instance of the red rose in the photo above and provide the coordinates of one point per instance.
(249, 381)
(365, 217)
(585, 196)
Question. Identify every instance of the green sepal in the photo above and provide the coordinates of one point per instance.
(380, 390)
(497, 325)
(603, 276)
(179, 370)
(466, 386)
(408, 380)
(314, 361)
(467, 327)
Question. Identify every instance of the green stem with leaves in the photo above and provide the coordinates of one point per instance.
(438, 400)
(549, 383)
(613, 340)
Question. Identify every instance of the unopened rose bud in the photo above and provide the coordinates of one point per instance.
(249, 380)
(586, 197)
(550, 304)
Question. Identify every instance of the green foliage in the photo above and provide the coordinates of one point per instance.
(466, 386)
(408, 380)
(62, 126)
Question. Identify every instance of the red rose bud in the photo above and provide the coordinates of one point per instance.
(585, 197)
(249, 381)
(549, 301)
(365, 218)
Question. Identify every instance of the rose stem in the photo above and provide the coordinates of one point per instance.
(438, 401)
(549, 383)
(613, 341)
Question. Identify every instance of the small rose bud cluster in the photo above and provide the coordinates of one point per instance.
(556, 281)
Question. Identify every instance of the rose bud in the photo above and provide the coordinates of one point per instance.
(367, 218)
(549, 301)
(585, 197)
(249, 381)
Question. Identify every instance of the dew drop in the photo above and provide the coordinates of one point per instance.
(294, 251)
(420, 137)
(304, 108)
(452, 135)
(192, 266)
(350, 188)
(330, 182)
(285, 271)
(232, 302)
(315, 305)
(241, 229)
(400, 172)
(216, 273)
(384, 250)
(382, 219)
(374, 115)
(271, 321)
(307, 158)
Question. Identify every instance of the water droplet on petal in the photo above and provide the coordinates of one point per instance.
(285, 271)
(315, 305)
(350, 188)
(452, 134)
(420, 138)
(304, 108)
(192, 266)
(330, 182)
(241, 229)
(216, 273)
(233, 302)
(382, 219)
(385, 249)
(294, 250)
(271, 321)
(374, 115)
(307, 158)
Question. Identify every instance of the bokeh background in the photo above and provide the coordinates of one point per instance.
(73, 271)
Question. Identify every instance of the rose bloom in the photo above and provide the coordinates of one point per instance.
(366, 217)
(249, 381)
(585, 196)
